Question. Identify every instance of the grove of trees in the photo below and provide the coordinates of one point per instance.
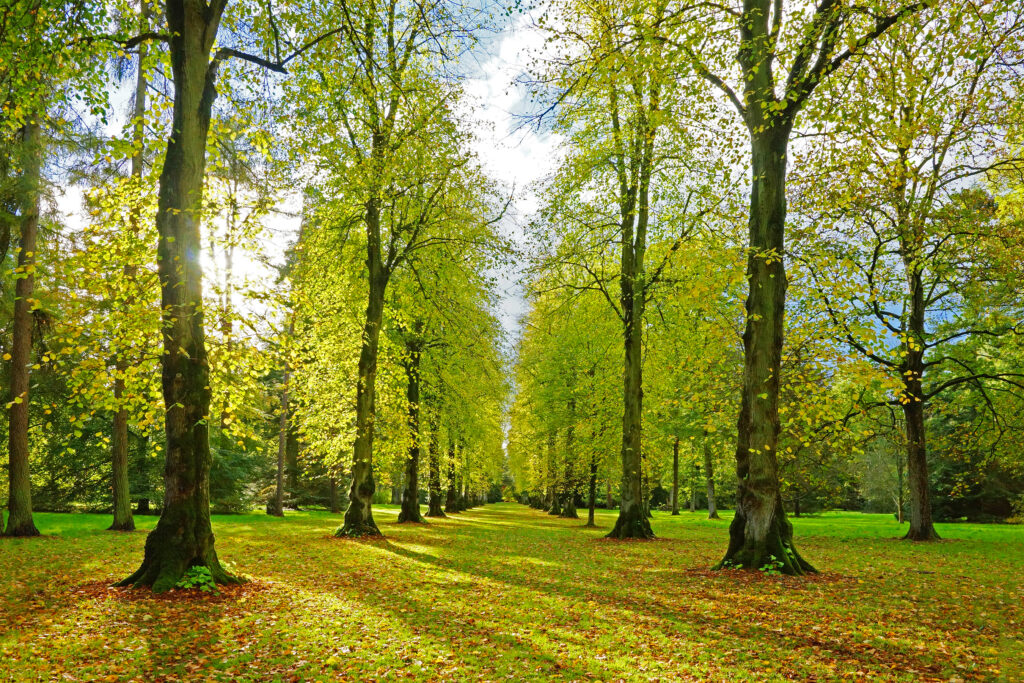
(253, 255)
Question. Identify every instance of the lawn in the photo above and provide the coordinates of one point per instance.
(506, 592)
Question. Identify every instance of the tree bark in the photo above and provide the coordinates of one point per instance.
(451, 503)
(555, 499)
(760, 530)
(912, 372)
(359, 516)
(675, 476)
(411, 495)
(633, 520)
(277, 507)
(568, 510)
(592, 498)
(183, 536)
(434, 504)
(19, 503)
(709, 475)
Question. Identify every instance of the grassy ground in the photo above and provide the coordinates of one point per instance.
(505, 592)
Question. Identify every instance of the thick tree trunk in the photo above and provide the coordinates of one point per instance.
(709, 475)
(411, 495)
(184, 537)
(592, 498)
(632, 521)
(675, 476)
(434, 502)
(142, 506)
(19, 503)
(760, 529)
(359, 516)
(277, 504)
(921, 528)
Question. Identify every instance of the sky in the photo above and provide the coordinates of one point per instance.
(515, 154)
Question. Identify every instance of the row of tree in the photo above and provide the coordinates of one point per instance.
(199, 309)
(881, 311)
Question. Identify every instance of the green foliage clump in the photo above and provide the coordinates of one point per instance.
(197, 577)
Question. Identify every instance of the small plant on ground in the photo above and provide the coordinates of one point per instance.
(197, 577)
(773, 567)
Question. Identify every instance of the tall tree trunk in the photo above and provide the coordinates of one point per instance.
(693, 491)
(411, 495)
(555, 499)
(123, 520)
(569, 485)
(592, 498)
(609, 501)
(451, 503)
(434, 502)
(359, 516)
(292, 458)
(760, 529)
(183, 536)
(277, 507)
(19, 503)
(675, 476)
(634, 510)
(921, 528)
(709, 475)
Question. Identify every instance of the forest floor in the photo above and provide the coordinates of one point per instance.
(506, 592)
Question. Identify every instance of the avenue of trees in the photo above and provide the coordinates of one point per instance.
(250, 256)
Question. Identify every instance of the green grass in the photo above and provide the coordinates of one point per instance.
(505, 592)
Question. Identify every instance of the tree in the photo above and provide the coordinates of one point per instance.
(905, 254)
(615, 188)
(817, 44)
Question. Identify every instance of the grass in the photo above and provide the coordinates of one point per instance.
(505, 592)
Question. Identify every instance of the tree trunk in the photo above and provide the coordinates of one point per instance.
(19, 503)
(760, 530)
(675, 476)
(709, 474)
(568, 510)
(609, 501)
(277, 504)
(123, 520)
(592, 498)
(434, 504)
(632, 521)
(451, 503)
(292, 458)
(359, 516)
(142, 506)
(183, 537)
(921, 528)
(555, 500)
(411, 495)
